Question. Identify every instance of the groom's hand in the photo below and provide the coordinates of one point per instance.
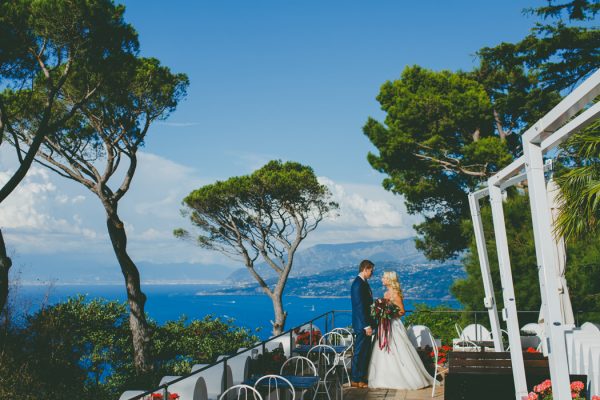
(369, 331)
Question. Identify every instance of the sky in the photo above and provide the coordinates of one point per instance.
(268, 80)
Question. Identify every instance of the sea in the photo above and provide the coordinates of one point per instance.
(170, 302)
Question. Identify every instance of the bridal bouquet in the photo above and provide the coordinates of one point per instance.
(384, 311)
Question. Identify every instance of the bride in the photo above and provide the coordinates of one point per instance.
(399, 366)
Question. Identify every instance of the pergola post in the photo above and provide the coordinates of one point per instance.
(484, 263)
(545, 250)
(508, 292)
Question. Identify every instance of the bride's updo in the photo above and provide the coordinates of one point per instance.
(392, 279)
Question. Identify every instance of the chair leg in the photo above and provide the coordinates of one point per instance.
(435, 373)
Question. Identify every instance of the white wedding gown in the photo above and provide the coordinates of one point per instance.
(401, 368)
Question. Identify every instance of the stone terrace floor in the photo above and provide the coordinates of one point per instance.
(390, 394)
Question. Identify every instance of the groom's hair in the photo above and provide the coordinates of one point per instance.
(365, 264)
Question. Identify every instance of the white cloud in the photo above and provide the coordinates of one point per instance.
(367, 212)
(357, 207)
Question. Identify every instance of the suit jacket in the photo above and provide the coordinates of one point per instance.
(362, 298)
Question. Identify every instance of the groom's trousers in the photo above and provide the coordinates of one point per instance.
(360, 360)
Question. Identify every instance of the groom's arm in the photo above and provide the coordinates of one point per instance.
(359, 305)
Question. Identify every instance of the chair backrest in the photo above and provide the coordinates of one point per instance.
(533, 328)
(420, 336)
(433, 345)
(333, 339)
(346, 334)
(458, 330)
(299, 366)
(241, 389)
(274, 383)
(325, 358)
(476, 332)
(591, 328)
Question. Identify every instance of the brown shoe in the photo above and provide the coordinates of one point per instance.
(355, 384)
(363, 385)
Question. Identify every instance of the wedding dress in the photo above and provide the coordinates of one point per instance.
(401, 367)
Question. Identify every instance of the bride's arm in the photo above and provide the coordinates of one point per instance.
(400, 303)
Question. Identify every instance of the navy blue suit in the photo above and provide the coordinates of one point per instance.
(362, 298)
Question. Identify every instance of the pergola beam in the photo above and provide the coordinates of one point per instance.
(575, 125)
(546, 254)
(508, 293)
(565, 110)
(488, 286)
(548, 133)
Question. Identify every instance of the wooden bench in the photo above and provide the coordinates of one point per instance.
(477, 375)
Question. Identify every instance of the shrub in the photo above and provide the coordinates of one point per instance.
(83, 349)
(439, 319)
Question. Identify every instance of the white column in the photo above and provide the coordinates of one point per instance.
(545, 250)
(488, 286)
(508, 292)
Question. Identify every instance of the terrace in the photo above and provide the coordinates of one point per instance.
(490, 367)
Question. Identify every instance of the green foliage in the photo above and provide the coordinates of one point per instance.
(439, 319)
(579, 182)
(445, 133)
(583, 269)
(438, 142)
(272, 203)
(177, 345)
(561, 49)
(82, 349)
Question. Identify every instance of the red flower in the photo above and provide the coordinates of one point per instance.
(577, 386)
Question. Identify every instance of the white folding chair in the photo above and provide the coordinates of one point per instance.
(334, 338)
(420, 336)
(461, 343)
(538, 331)
(475, 332)
(346, 334)
(438, 369)
(241, 388)
(326, 361)
(275, 382)
(299, 366)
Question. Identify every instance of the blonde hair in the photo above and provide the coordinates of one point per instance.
(392, 279)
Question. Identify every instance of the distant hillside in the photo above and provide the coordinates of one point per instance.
(419, 281)
(323, 257)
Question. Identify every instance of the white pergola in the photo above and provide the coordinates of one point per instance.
(572, 114)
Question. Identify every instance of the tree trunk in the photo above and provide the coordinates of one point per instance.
(135, 298)
(5, 264)
(280, 315)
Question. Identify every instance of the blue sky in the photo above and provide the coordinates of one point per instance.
(269, 80)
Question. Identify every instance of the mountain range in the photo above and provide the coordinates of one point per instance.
(323, 257)
(328, 270)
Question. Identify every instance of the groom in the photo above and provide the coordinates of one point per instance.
(362, 323)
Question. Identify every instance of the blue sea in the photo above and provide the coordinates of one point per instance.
(170, 302)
